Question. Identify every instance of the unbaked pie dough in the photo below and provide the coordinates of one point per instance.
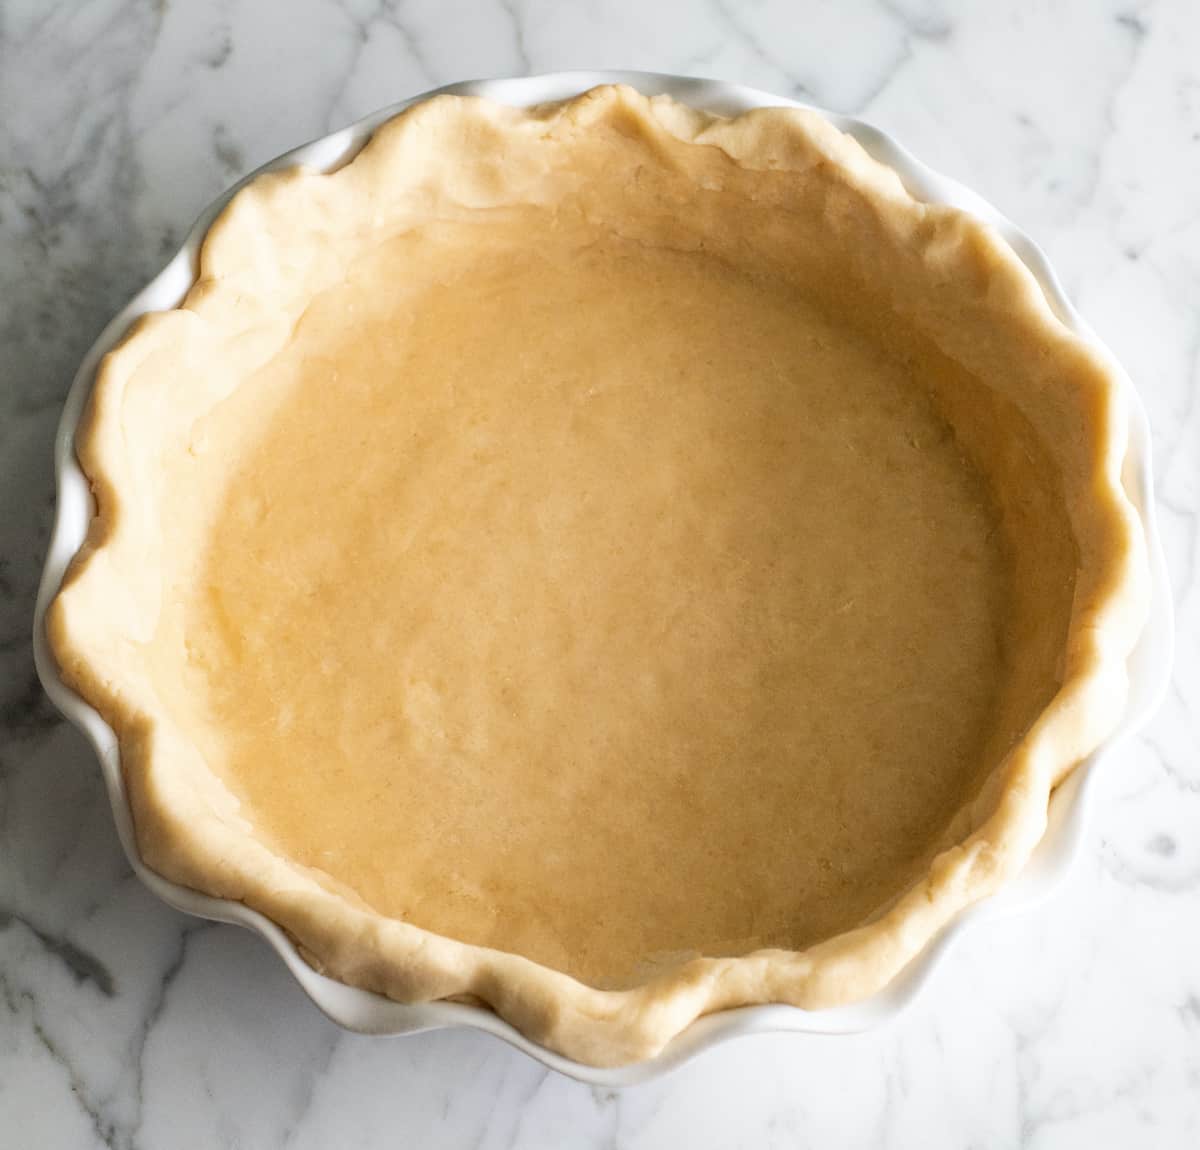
(603, 561)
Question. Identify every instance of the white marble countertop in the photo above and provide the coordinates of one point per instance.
(124, 1025)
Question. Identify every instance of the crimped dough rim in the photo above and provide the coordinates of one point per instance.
(187, 824)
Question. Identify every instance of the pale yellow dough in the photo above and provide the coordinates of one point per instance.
(603, 561)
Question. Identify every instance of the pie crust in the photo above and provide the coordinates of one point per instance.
(603, 561)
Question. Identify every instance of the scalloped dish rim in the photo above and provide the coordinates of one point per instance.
(361, 1010)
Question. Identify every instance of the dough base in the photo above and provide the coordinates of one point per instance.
(645, 613)
(602, 561)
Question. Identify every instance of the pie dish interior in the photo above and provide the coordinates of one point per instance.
(603, 561)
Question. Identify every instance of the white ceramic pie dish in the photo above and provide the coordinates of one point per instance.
(363, 1011)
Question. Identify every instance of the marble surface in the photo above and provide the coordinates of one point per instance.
(124, 1025)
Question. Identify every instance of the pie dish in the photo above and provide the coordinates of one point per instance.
(856, 506)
